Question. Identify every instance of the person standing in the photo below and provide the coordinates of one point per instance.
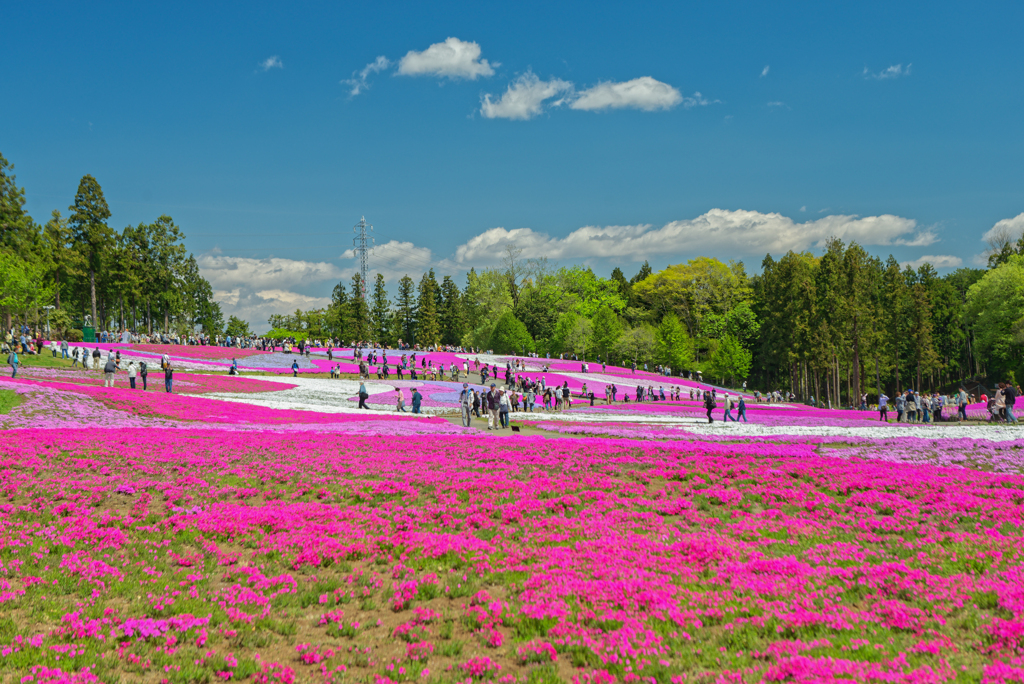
(883, 408)
(417, 399)
(63, 349)
(493, 406)
(295, 370)
(1009, 399)
(363, 395)
(503, 408)
(466, 404)
(709, 405)
(108, 371)
(12, 359)
(529, 398)
(132, 372)
(143, 372)
(168, 377)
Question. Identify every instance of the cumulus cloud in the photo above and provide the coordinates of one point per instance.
(1010, 228)
(393, 259)
(273, 62)
(764, 72)
(453, 58)
(719, 231)
(643, 93)
(894, 71)
(524, 98)
(938, 261)
(359, 81)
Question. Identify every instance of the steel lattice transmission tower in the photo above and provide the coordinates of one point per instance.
(360, 242)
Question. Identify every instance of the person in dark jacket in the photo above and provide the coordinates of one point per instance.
(417, 399)
(493, 406)
(168, 378)
(709, 404)
(108, 371)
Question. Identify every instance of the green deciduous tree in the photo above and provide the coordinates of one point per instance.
(510, 336)
(674, 346)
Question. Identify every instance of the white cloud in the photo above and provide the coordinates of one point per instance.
(803, 208)
(698, 100)
(226, 273)
(922, 239)
(524, 98)
(394, 259)
(358, 83)
(719, 231)
(776, 103)
(643, 93)
(453, 58)
(273, 62)
(938, 261)
(1012, 228)
(894, 71)
(764, 72)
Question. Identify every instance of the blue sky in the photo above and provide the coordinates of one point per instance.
(586, 132)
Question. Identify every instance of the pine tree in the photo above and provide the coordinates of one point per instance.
(359, 311)
(381, 310)
(405, 308)
(452, 313)
(88, 222)
(428, 331)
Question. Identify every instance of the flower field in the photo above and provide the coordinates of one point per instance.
(216, 535)
(205, 555)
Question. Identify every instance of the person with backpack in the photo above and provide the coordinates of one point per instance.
(363, 396)
(12, 359)
(728, 409)
(108, 371)
(709, 404)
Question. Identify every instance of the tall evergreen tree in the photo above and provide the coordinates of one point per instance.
(359, 312)
(89, 230)
(452, 314)
(405, 309)
(428, 329)
(380, 310)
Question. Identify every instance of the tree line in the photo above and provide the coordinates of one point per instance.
(834, 327)
(77, 268)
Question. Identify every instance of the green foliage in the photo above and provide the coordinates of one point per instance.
(693, 290)
(636, 344)
(358, 310)
(8, 400)
(995, 310)
(674, 346)
(405, 310)
(237, 327)
(607, 328)
(729, 359)
(486, 299)
(380, 312)
(282, 334)
(428, 325)
(510, 336)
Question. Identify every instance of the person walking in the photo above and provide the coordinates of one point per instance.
(727, 402)
(883, 408)
(295, 369)
(399, 400)
(417, 399)
(108, 371)
(12, 359)
(363, 395)
(476, 403)
(709, 404)
(466, 404)
(168, 377)
(132, 372)
(741, 409)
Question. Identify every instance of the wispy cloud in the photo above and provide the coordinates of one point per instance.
(273, 62)
(524, 98)
(776, 103)
(452, 59)
(936, 260)
(764, 72)
(359, 81)
(894, 71)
